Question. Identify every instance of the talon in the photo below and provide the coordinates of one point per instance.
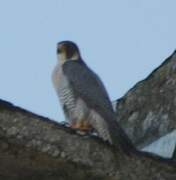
(63, 123)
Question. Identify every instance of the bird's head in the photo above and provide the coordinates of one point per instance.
(67, 50)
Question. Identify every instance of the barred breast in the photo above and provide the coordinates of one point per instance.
(75, 108)
(64, 92)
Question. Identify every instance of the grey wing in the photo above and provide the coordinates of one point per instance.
(87, 85)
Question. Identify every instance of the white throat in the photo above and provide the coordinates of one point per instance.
(61, 58)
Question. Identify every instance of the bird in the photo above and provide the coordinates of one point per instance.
(83, 97)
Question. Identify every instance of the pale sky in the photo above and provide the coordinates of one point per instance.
(121, 40)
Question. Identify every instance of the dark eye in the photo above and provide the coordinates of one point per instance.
(58, 51)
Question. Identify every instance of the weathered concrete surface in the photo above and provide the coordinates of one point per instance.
(148, 110)
(34, 148)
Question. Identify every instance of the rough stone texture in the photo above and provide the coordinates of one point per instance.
(33, 148)
(148, 110)
(174, 154)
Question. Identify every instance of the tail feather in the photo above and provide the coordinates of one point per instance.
(118, 136)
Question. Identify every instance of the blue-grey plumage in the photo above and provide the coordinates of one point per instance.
(84, 97)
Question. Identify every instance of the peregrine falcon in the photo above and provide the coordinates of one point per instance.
(83, 97)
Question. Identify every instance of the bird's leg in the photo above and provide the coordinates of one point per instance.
(86, 126)
(74, 125)
(82, 125)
